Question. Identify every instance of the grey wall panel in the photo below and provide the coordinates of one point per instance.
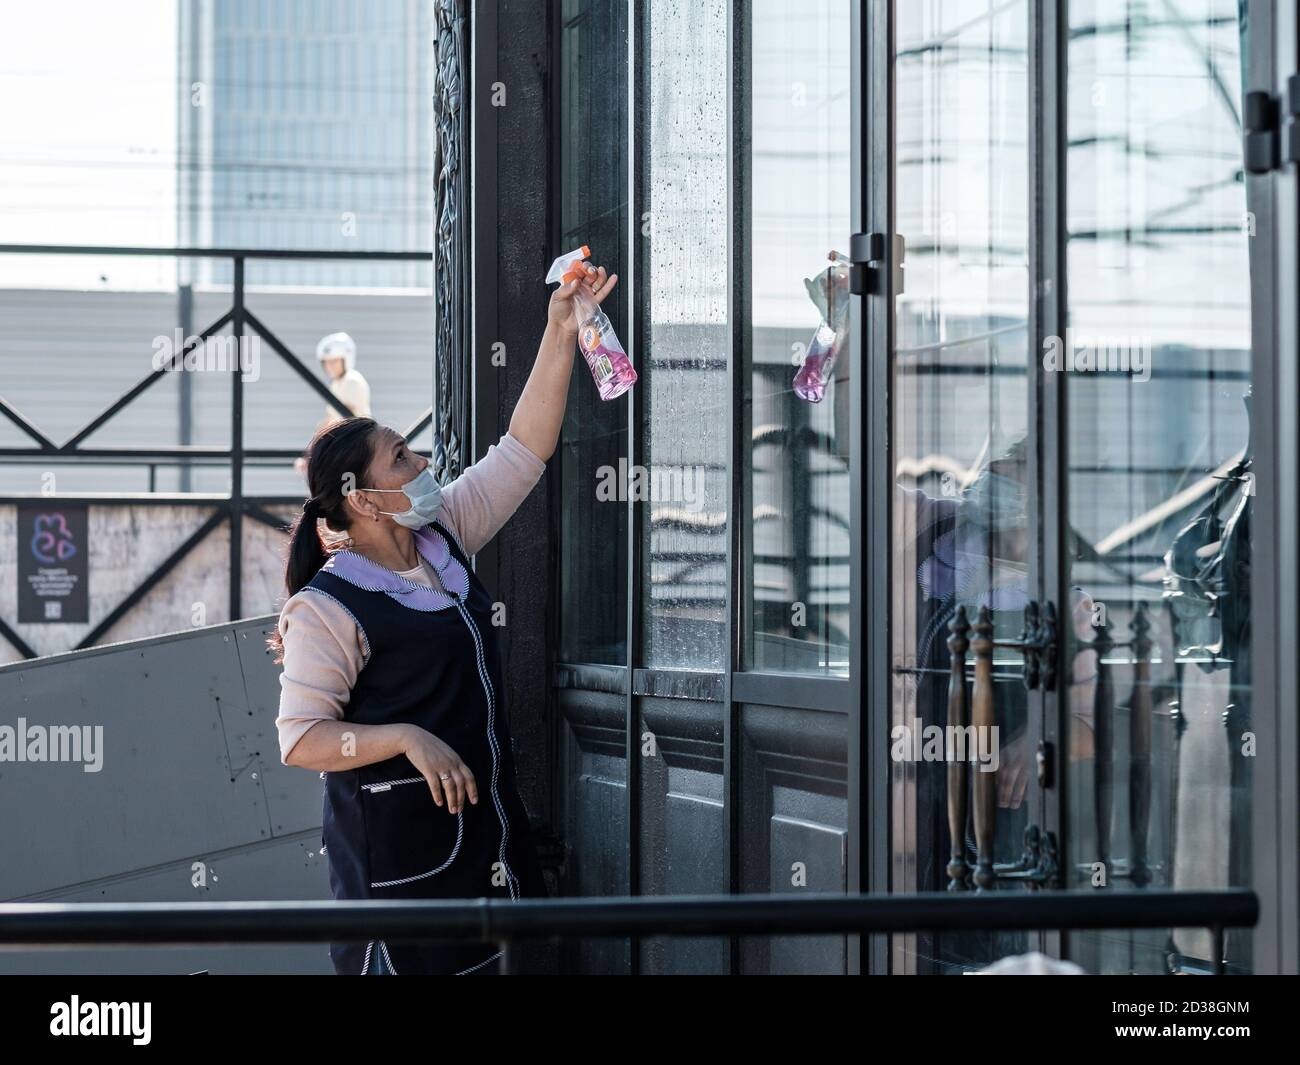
(189, 773)
(293, 795)
(683, 824)
(793, 825)
(594, 818)
(288, 868)
(180, 767)
(821, 850)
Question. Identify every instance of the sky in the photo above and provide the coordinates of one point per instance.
(88, 139)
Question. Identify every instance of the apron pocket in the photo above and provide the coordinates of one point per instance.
(410, 838)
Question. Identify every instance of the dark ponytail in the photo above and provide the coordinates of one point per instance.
(337, 457)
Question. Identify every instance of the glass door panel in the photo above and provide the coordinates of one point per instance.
(1157, 365)
(958, 432)
(795, 445)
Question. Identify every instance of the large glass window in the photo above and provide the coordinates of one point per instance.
(593, 191)
(683, 430)
(1159, 460)
(959, 397)
(795, 431)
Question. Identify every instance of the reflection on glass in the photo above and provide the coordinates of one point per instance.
(1159, 467)
(685, 395)
(593, 211)
(796, 470)
(959, 432)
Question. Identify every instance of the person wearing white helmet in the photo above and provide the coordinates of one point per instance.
(338, 354)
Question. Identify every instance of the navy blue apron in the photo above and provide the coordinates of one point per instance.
(430, 659)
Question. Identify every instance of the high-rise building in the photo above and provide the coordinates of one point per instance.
(306, 126)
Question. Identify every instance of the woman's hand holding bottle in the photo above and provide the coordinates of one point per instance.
(575, 310)
(564, 310)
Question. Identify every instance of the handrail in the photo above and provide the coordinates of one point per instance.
(213, 253)
(504, 921)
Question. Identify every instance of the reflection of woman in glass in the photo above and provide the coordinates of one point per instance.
(972, 550)
(971, 546)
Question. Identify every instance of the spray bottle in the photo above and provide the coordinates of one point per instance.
(830, 292)
(607, 360)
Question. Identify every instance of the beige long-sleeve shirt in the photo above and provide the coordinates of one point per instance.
(354, 391)
(324, 650)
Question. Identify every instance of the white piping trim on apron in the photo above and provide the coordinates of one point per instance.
(479, 965)
(511, 880)
(460, 831)
(385, 785)
(383, 949)
(370, 576)
(365, 640)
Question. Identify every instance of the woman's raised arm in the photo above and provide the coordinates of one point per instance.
(481, 500)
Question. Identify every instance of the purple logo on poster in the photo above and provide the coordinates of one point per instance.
(52, 540)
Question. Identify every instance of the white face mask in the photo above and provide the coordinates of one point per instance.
(425, 494)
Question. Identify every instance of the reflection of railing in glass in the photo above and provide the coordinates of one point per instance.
(1134, 868)
(799, 496)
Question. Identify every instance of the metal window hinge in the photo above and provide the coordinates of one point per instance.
(1272, 133)
(866, 250)
(867, 254)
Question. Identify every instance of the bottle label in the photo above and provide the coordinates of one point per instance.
(603, 367)
(589, 338)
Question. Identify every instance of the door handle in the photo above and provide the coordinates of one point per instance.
(1038, 865)
(1136, 868)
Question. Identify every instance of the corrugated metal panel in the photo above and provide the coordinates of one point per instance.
(190, 801)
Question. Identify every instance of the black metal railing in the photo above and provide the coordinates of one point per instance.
(49, 924)
(230, 507)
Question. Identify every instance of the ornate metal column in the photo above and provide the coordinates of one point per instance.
(451, 244)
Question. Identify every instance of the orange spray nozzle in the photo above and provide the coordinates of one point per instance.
(568, 266)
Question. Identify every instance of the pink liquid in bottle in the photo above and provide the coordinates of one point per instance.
(830, 293)
(810, 381)
(608, 362)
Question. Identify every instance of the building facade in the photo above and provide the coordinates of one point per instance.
(1049, 250)
(305, 126)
